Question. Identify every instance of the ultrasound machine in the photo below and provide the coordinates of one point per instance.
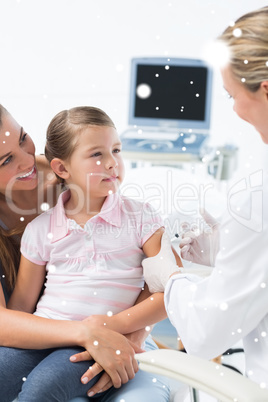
(169, 109)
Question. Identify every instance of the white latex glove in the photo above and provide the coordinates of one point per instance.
(157, 269)
(203, 247)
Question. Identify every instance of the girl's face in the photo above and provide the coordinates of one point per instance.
(17, 157)
(250, 106)
(96, 166)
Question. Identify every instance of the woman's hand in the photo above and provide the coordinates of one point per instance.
(112, 353)
(105, 382)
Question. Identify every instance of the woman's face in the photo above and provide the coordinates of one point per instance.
(17, 157)
(250, 106)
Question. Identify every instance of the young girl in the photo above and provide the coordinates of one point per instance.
(89, 248)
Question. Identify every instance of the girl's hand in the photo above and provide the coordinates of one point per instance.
(138, 337)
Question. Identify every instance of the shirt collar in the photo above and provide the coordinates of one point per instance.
(110, 211)
(59, 223)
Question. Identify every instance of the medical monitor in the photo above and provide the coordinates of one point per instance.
(170, 93)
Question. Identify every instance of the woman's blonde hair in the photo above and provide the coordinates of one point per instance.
(247, 42)
(9, 241)
(64, 128)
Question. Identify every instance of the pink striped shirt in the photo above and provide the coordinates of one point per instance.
(94, 269)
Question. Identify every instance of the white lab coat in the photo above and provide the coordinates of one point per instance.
(212, 314)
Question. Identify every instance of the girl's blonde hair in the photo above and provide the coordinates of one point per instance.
(247, 41)
(9, 241)
(63, 130)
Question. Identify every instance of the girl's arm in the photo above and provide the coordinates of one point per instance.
(147, 311)
(30, 280)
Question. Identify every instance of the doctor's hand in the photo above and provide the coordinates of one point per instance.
(201, 248)
(157, 269)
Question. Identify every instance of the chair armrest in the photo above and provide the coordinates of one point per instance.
(212, 378)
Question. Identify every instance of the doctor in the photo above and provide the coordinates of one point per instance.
(212, 314)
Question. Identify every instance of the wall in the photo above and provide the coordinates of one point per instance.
(57, 54)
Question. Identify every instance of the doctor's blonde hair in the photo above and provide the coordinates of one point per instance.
(65, 127)
(247, 42)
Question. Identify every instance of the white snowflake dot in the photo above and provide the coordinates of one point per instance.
(166, 67)
(263, 285)
(110, 192)
(223, 306)
(7, 133)
(263, 385)
(245, 61)
(118, 352)
(151, 298)
(98, 162)
(148, 328)
(263, 334)
(237, 32)
(50, 235)
(44, 206)
(51, 268)
(109, 313)
(197, 95)
(24, 379)
(154, 379)
(21, 218)
(144, 91)
(50, 176)
(95, 343)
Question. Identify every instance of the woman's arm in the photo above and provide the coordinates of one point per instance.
(2, 297)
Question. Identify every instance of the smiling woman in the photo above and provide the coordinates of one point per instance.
(18, 190)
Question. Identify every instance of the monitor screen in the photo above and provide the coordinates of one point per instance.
(170, 93)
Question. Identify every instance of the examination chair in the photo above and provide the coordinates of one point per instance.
(214, 379)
